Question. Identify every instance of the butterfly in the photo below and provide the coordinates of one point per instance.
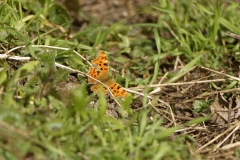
(100, 71)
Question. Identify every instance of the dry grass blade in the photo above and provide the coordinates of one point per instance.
(237, 127)
(178, 83)
(229, 76)
(212, 93)
(230, 146)
(233, 35)
(217, 137)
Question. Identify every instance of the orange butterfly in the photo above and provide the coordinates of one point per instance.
(100, 72)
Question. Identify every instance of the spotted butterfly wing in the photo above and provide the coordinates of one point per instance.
(100, 72)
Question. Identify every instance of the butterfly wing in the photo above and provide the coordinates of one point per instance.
(116, 89)
(100, 71)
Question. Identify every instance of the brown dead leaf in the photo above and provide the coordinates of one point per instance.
(222, 109)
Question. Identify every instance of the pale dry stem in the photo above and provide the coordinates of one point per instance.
(217, 137)
(7, 56)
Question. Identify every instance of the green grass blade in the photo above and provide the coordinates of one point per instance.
(186, 67)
